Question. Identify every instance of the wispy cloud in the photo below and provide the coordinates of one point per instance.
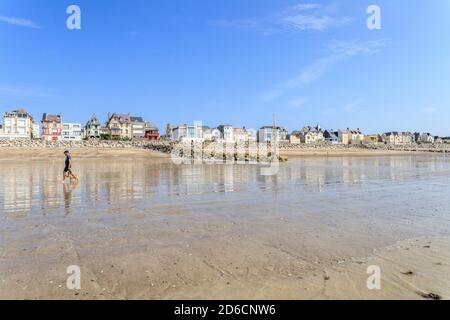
(300, 17)
(353, 105)
(19, 22)
(429, 110)
(298, 102)
(306, 6)
(28, 91)
(140, 35)
(353, 48)
(339, 51)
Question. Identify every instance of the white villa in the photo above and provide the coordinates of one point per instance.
(187, 133)
(19, 125)
(227, 132)
(426, 138)
(268, 134)
(71, 132)
(137, 127)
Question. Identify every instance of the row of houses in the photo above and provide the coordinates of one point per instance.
(128, 127)
(20, 125)
(307, 135)
(223, 133)
(314, 135)
(403, 138)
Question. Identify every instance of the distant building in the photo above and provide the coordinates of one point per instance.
(426, 138)
(71, 132)
(311, 135)
(271, 134)
(104, 131)
(399, 138)
(137, 127)
(240, 135)
(227, 132)
(252, 135)
(51, 127)
(92, 128)
(438, 140)
(187, 133)
(169, 131)
(373, 139)
(351, 136)
(392, 138)
(119, 126)
(211, 134)
(416, 136)
(18, 125)
(407, 138)
(294, 137)
(283, 134)
(151, 132)
(331, 136)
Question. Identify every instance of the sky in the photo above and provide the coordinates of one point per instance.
(231, 61)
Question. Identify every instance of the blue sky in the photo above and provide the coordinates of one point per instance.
(231, 61)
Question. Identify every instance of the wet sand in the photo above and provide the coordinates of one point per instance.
(90, 153)
(86, 153)
(345, 153)
(147, 229)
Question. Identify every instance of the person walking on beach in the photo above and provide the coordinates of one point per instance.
(68, 167)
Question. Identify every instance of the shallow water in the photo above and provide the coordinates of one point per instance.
(315, 210)
(418, 185)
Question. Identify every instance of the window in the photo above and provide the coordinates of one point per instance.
(191, 132)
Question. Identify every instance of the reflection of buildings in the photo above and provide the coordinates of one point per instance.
(125, 184)
(17, 189)
(50, 187)
(199, 179)
(121, 180)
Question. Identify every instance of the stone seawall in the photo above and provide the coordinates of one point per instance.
(167, 147)
(441, 148)
(90, 144)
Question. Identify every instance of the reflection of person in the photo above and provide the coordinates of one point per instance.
(68, 167)
(68, 189)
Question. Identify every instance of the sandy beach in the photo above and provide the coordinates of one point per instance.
(328, 152)
(140, 227)
(84, 153)
(9, 153)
